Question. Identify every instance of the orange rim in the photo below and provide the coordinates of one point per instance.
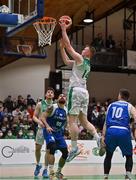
(46, 20)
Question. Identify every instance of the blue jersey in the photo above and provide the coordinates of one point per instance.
(58, 119)
(118, 114)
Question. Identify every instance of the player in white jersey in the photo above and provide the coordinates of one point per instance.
(78, 97)
(40, 108)
(117, 132)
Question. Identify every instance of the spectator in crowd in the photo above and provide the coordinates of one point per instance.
(83, 134)
(98, 42)
(30, 110)
(95, 115)
(21, 103)
(1, 112)
(101, 119)
(8, 103)
(10, 135)
(31, 134)
(22, 135)
(1, 134)
(4, 130)
(15, 128)
(16, 112)
(30, 100)
(110, 43)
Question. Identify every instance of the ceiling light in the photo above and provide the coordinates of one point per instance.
(88, 18)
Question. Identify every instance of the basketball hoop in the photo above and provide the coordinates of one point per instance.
(24, 49)
(45, 28)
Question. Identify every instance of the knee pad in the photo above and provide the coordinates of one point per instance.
(52, 148)
(64, 153)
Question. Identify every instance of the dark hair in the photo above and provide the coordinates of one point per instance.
(124, 93)
(51, 89)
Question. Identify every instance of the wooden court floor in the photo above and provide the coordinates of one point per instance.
(70, 171)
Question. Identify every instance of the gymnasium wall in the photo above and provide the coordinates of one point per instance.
(106, 85)
(25, 76)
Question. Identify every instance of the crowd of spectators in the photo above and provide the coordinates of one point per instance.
(16, 118)
(101, 45)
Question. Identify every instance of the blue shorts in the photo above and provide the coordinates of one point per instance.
(119, 137)
(56, 138)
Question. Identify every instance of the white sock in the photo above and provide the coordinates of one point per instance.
(128, 173)
(74, 145)
(51, 168)
(96, 136)
(106, 175)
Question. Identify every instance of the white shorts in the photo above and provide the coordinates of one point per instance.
(39, 136)
(78, 99)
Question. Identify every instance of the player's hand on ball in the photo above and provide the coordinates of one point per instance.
(65, 22)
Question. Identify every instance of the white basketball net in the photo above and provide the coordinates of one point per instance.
(45, 28)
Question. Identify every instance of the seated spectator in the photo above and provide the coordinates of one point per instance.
(95, 115)
(1, 134)
(8, 103)
(1, 112)
(21, 135)
(4, 130)
(31, 134)
(98, 42)
(30, 110)
(15, 128)
(101, 118)
(16, 112)
(30, 100)
(10, 135)
(21, 102)
(7, 113)
(83, 134)
(110, 43)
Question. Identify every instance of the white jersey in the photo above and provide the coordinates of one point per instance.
(80, 74)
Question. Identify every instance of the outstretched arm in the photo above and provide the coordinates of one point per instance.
(65, 57)
(44, 117)
(76, 56)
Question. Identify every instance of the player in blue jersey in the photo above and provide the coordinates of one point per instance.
(116, 132)
(55, 119)
(78, 96)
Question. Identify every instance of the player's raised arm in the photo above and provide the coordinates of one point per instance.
(65, 57)
(76, 56)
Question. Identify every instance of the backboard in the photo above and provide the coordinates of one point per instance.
(20, 13)
(23, 47)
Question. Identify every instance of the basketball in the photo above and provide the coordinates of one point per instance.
(65, 19)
